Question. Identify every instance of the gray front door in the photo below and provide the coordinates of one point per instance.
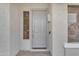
(39, 19)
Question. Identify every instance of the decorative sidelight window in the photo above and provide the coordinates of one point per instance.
(26, 25)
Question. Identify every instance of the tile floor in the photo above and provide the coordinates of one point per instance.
(33, 53)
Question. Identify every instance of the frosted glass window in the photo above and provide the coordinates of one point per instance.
(25, 25)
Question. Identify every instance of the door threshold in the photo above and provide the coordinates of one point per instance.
(39, 50)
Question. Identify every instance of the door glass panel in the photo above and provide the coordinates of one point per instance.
(25, 25)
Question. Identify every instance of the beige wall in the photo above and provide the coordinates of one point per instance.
(14, 29)
(9, 29)
(50, 40)
(59, 28)
(4, 29)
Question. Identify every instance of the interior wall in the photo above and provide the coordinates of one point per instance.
(27, 43)
(4, 29)
(59, 28)
(14, 29)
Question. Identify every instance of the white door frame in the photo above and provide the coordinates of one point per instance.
(25, 44)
